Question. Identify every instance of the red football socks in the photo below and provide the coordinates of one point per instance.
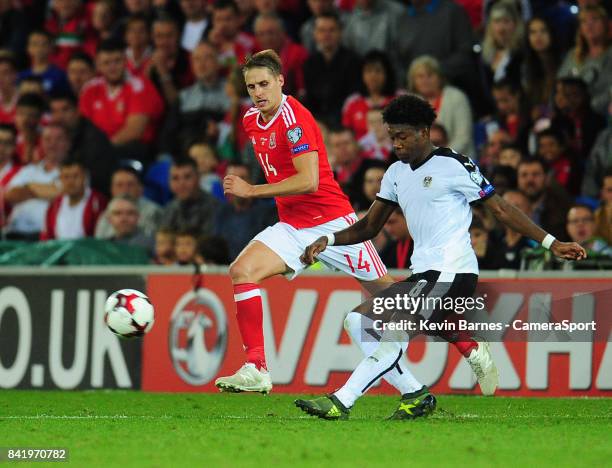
(460, 339)
(249, 313)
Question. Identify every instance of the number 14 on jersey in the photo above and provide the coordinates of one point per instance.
(267, 167)
(361, 265)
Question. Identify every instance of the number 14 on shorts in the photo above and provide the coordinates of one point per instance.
(361, 265)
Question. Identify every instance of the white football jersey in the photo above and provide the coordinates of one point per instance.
(435, 197)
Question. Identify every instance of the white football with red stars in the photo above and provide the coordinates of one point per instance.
(128, 313)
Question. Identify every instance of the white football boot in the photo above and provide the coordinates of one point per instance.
(246, 379)
(482, 364)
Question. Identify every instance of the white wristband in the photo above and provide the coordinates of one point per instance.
(548, 241)
(330, 239)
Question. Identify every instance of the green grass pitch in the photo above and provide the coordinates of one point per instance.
(124, 429)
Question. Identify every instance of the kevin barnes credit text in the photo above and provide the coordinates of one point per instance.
(424, 326)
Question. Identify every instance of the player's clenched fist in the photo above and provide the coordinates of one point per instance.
(568, 250)
(310, 253)
(234, 185)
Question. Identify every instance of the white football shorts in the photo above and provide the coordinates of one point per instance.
(359, 260)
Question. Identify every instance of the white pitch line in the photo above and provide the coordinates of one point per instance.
(437, 417)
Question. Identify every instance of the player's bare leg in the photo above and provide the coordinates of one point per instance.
(254, 264)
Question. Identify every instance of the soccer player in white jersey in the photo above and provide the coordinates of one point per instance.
(434, 188)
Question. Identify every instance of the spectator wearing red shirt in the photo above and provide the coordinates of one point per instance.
(8, 88)
(232, 43)
(8, 166)
(169, 69)
(551, 149)
(70, 25)
(377, 89)
(75, 212)
(345, 156)
(137, 38)
(511, 112)
(376, 144)
(28, 117)
(270, 34)
(80, 70)
(126, 108)
(397, 252)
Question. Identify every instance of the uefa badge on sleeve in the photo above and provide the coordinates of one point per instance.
(476, 177)
(294, 135)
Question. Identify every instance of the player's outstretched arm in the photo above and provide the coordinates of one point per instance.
(515, 219)
(305, 180)
(363, 230)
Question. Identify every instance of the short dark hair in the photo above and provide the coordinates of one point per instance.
(534, 160)
(110, 45)
(32, 100)
(129, 170)
(214, 250)
(74, 162)
(508, 85)
(32, 79)
(582, 205)
(79, 56)
(506, 172)
(41, 32)
(441, 128)
(608, 172)
(409, 109)
(225, 4)
(242, 165)
(68, 97)
(189, 232)
(4, 127)
(335, 129)
(575, 81)
(137, 18)
(477, 224)
(552, 133)
(166, 18)
(511, 146)
(184, 162)
(265, 59)
(332, 15)
(9, 58)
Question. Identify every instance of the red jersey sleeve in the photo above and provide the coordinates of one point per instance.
(85, 103)
(301, 131)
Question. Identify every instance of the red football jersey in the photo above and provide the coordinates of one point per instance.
(355, 112)
(293, 132)
(110, 111)
(7, 113)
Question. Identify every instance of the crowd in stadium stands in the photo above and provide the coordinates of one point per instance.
(120, 118)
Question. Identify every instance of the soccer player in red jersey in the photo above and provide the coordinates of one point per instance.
(289, 146)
